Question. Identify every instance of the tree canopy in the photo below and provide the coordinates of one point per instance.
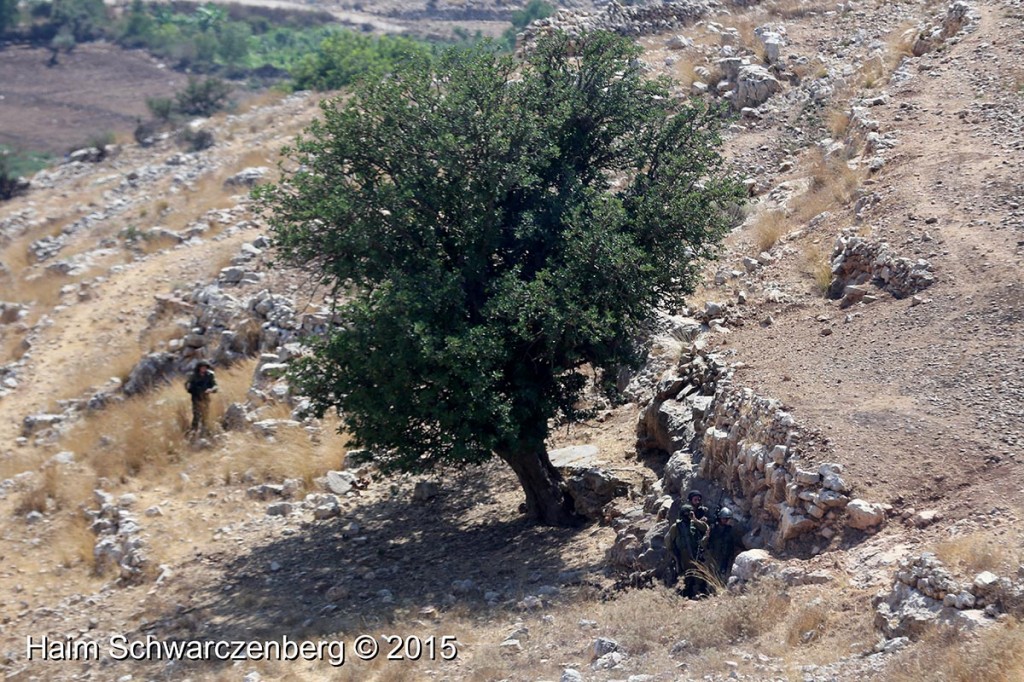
(497, 228)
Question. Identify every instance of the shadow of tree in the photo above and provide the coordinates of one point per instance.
(380, 563)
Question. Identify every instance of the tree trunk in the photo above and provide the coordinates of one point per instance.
(546, 502)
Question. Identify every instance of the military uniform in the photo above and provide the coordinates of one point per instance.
(200, 385)
(687, 540)
(724, 543)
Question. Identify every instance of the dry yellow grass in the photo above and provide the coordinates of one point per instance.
(796, 9)
(770, 227)
(837, 121)
(833, 185)
(818, 267)
(684, 70)
(145, 434)
(87, 378)
(290, 453)
(746, 24)
(977, 552)
(73, 543)
(996, 654)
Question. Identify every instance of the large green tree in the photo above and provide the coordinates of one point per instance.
(498, 228)
(8, 15)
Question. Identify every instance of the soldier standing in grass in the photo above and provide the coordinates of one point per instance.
(687, 540)
(200, 384)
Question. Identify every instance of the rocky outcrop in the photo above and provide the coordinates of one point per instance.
(120, 547)
(928, 37)
(632, 20)
(857, 261)
(926, 593)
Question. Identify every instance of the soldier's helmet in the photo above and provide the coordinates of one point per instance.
(203, 363)
(692, 494)
(725, 513)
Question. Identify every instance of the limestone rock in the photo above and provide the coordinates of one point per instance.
(339, 482)
(863, 515)
(751, 564)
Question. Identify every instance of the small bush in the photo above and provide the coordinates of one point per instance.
(202, 97)
(818, 266)
(769, 229)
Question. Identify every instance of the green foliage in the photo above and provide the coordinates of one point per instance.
(22, 163)
(534, 10)
(8, 15)
(84, 20)
(202, 97)
(344, 57)
(162, 108)
(500, 228)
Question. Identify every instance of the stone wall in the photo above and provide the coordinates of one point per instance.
(857, 261)
(741, 448)
(634, 20)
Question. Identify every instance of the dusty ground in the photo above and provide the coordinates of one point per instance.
(922, 404)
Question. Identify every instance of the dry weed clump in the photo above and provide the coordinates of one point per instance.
(142, 434)
(796, 9)
(770, 227)
(290, 453)
(73, 542)
(977, 552)
(818, 267)
(54, 491)
(995, 654)
(837, 122)
(833, 184)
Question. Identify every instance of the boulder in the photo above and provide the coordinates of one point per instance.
(863, 515)
(425, 490)
(679, 471)
(152, 369)
(339, 482)
(592, 489)
(754, 86)
(751, 564)
(247, 177)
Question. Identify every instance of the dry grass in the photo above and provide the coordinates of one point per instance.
(55, 490)
(900, 43)
(813, 68)
(770, 227)
(796, 9)
(12, 344)
(291, 453)
(818, 267)
(145, 434)
(684, 70)
(977, 552)
(73, 543)
(156, 336)
(87, 378)
(42, 290)
(837, 122)
(833, 185)
(746, 24)
(944, 655)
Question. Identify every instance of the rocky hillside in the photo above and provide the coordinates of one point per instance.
(849, 379)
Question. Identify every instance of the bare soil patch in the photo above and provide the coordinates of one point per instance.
(98, 88)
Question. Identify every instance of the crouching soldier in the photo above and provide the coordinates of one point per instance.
(200, 384)
(687, 540)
